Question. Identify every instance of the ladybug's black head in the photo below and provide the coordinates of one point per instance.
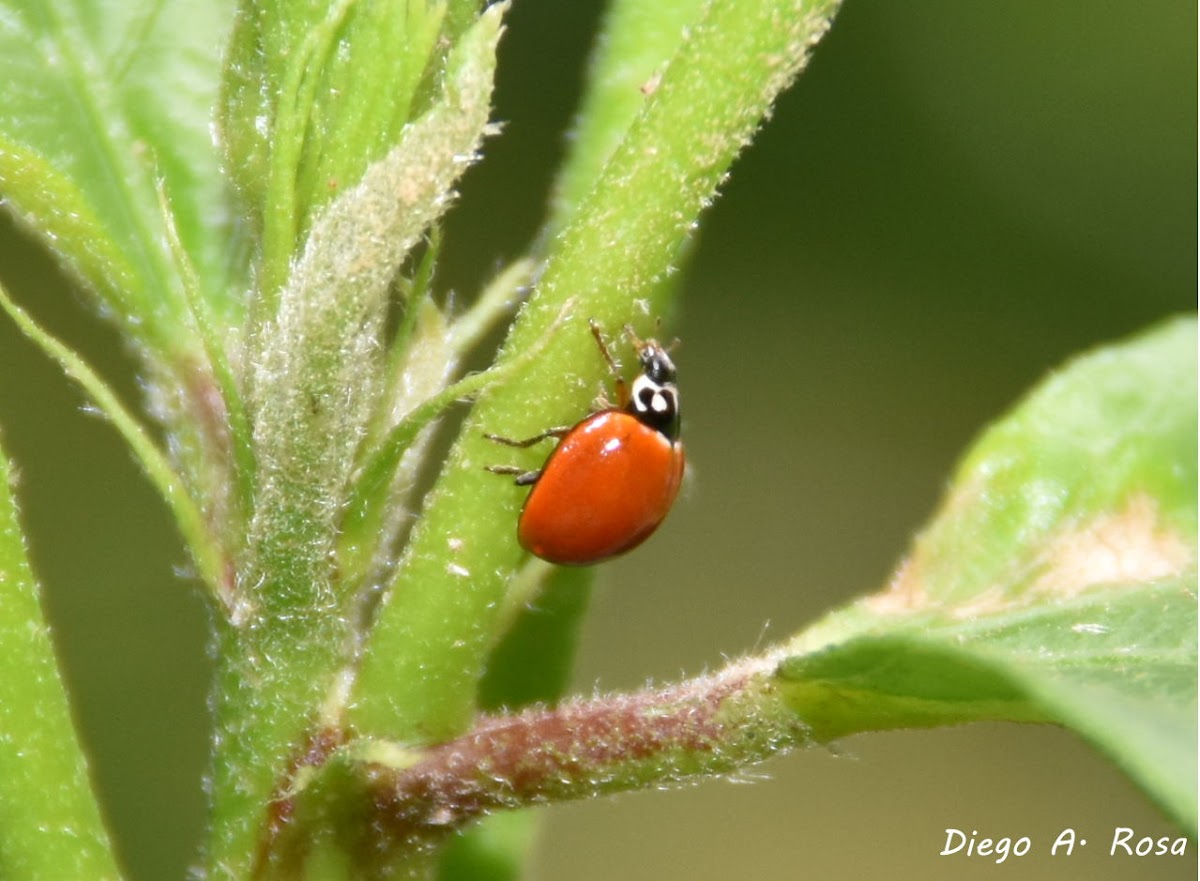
(654, 399)
(656, 364)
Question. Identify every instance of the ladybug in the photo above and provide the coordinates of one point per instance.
(613, 476)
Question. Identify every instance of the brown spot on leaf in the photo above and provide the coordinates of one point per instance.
(1128, 546)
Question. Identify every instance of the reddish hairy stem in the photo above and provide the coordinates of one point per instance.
(706, 726)
(379, 802)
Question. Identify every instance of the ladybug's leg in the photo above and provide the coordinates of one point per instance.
(524, 478)
(559, 433)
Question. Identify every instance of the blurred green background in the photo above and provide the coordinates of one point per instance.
(954, 198)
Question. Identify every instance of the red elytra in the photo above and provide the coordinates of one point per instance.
(606, 487)
(613, 476)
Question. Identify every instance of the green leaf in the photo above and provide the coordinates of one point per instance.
(102, 100)
(50, 823)
(1057, 583)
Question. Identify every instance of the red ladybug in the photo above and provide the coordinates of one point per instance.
(613, 477)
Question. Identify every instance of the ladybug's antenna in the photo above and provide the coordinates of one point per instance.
(641, 344)
(599, 336)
